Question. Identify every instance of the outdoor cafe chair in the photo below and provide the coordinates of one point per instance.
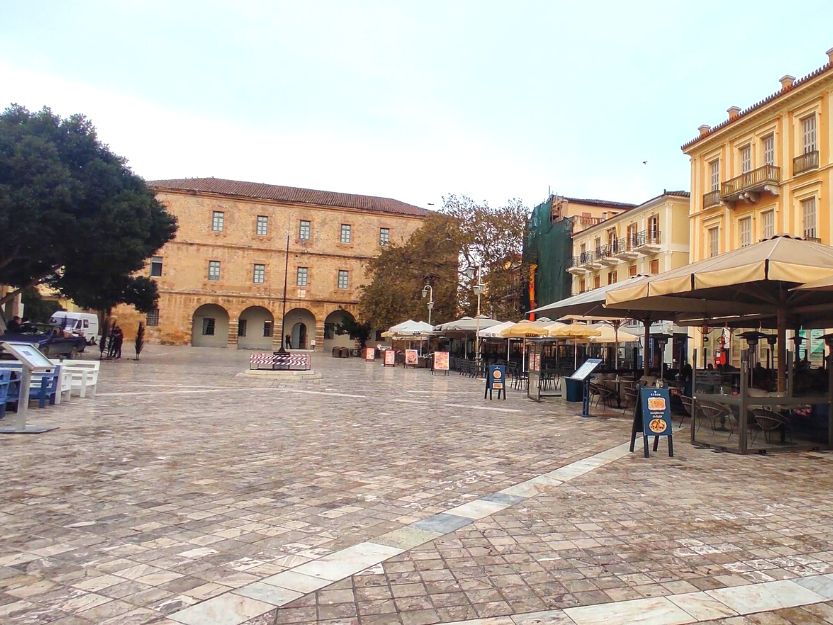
(631, 393)
(602, 393)
(769, 421)
(720, 415)
(5, 383)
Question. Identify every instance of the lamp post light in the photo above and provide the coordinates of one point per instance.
(429, 292)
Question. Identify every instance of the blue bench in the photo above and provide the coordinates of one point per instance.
(43, 387)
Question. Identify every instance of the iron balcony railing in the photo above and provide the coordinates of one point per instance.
(626, 243)
(712, 198)
(648, 237)
(751, 181)
(805, 162)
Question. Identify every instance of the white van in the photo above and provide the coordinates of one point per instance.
(85, 324)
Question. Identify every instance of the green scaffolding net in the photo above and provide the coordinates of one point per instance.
(548, 245)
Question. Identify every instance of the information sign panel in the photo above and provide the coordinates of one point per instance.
(411, 358)
(586, 369)
(440, 361)
(28, 354)
(495, 381)
(652, 417)
(390, 357)
(369, 353)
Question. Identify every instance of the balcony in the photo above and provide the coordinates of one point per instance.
(749, 186)
(712, 198)
(627, 248)
(648, 242)
(594, 260)
(577, 267)
(607, 255)
(805, 162)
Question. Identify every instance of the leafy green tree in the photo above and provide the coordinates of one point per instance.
(491, 241)
(36, 308)
(75, 215)
(398, 275)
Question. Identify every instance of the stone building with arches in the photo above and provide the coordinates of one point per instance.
(221, 280)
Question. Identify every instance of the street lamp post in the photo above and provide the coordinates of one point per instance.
(428, 291)
(478, 289)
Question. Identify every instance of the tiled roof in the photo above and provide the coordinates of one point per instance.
(602, 203)
(778, 94)
(260, 191)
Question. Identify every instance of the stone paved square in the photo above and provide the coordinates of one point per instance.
(184, 493)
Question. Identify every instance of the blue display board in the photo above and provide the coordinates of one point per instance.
(652, 417)
(495, 381)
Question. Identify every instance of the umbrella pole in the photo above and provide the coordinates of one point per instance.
(782, 347)
(508, 342)
(523, 356)
(646, 366)
(616, 345)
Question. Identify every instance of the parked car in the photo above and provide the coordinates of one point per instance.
(47, 340)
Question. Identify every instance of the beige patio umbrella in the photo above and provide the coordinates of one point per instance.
(526, 329)
(575, 331)
(748, 287)
(609, 334)
(825, 284)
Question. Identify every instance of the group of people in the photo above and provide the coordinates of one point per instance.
(112, 345)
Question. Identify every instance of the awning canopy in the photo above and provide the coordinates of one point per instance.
(528, 329)
(493, 332)
(739, 288)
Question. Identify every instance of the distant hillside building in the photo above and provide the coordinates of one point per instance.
(548, 248)
(221, 279)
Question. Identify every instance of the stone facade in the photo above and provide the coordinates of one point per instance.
(221, 280)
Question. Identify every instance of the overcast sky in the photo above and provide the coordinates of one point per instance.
(411, 100)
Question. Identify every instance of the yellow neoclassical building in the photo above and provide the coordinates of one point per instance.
(763, 171)
(221, 279)
(766, 169)
(647, 239)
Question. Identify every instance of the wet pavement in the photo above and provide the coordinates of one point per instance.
(185, 493)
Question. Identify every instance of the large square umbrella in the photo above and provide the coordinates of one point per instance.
(751, 286)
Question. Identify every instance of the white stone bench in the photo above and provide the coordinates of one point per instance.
(82, 376)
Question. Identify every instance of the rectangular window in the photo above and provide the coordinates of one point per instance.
(632, 270)
(745, 231)
(714, 174)
(304, 230)
(259, 274)
(156, 266)
(714, 241)
(343, 278)
(153, 318)
(631, 236)
(582, 285)
(746, 159)
(384, 236)
(208, 326)
(769, 150)
(262, 225)
(768, 224)
(612, 277)
(241, 327)
(597, 282)
(808, 133)
(655, 266)
(808, 211)
(268, 328)
(218, 219)
(213, 269)
(346, 233)
(653, 228)
(302, 276)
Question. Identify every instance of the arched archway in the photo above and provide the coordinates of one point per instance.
(334, 334)
(209, 326)
(255, 328)
(299, 325)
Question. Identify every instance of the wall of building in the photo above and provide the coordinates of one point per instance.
(184, 285)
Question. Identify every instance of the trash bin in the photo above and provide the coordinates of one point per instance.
(336, 352)
(574, 389)
(344, 352)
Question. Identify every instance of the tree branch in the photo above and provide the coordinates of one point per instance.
(12, 294)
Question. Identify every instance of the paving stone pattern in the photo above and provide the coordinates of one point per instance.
(186, 495)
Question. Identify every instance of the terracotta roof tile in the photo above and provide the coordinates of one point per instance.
(602, 203)
(798, 83)
(294, 195)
